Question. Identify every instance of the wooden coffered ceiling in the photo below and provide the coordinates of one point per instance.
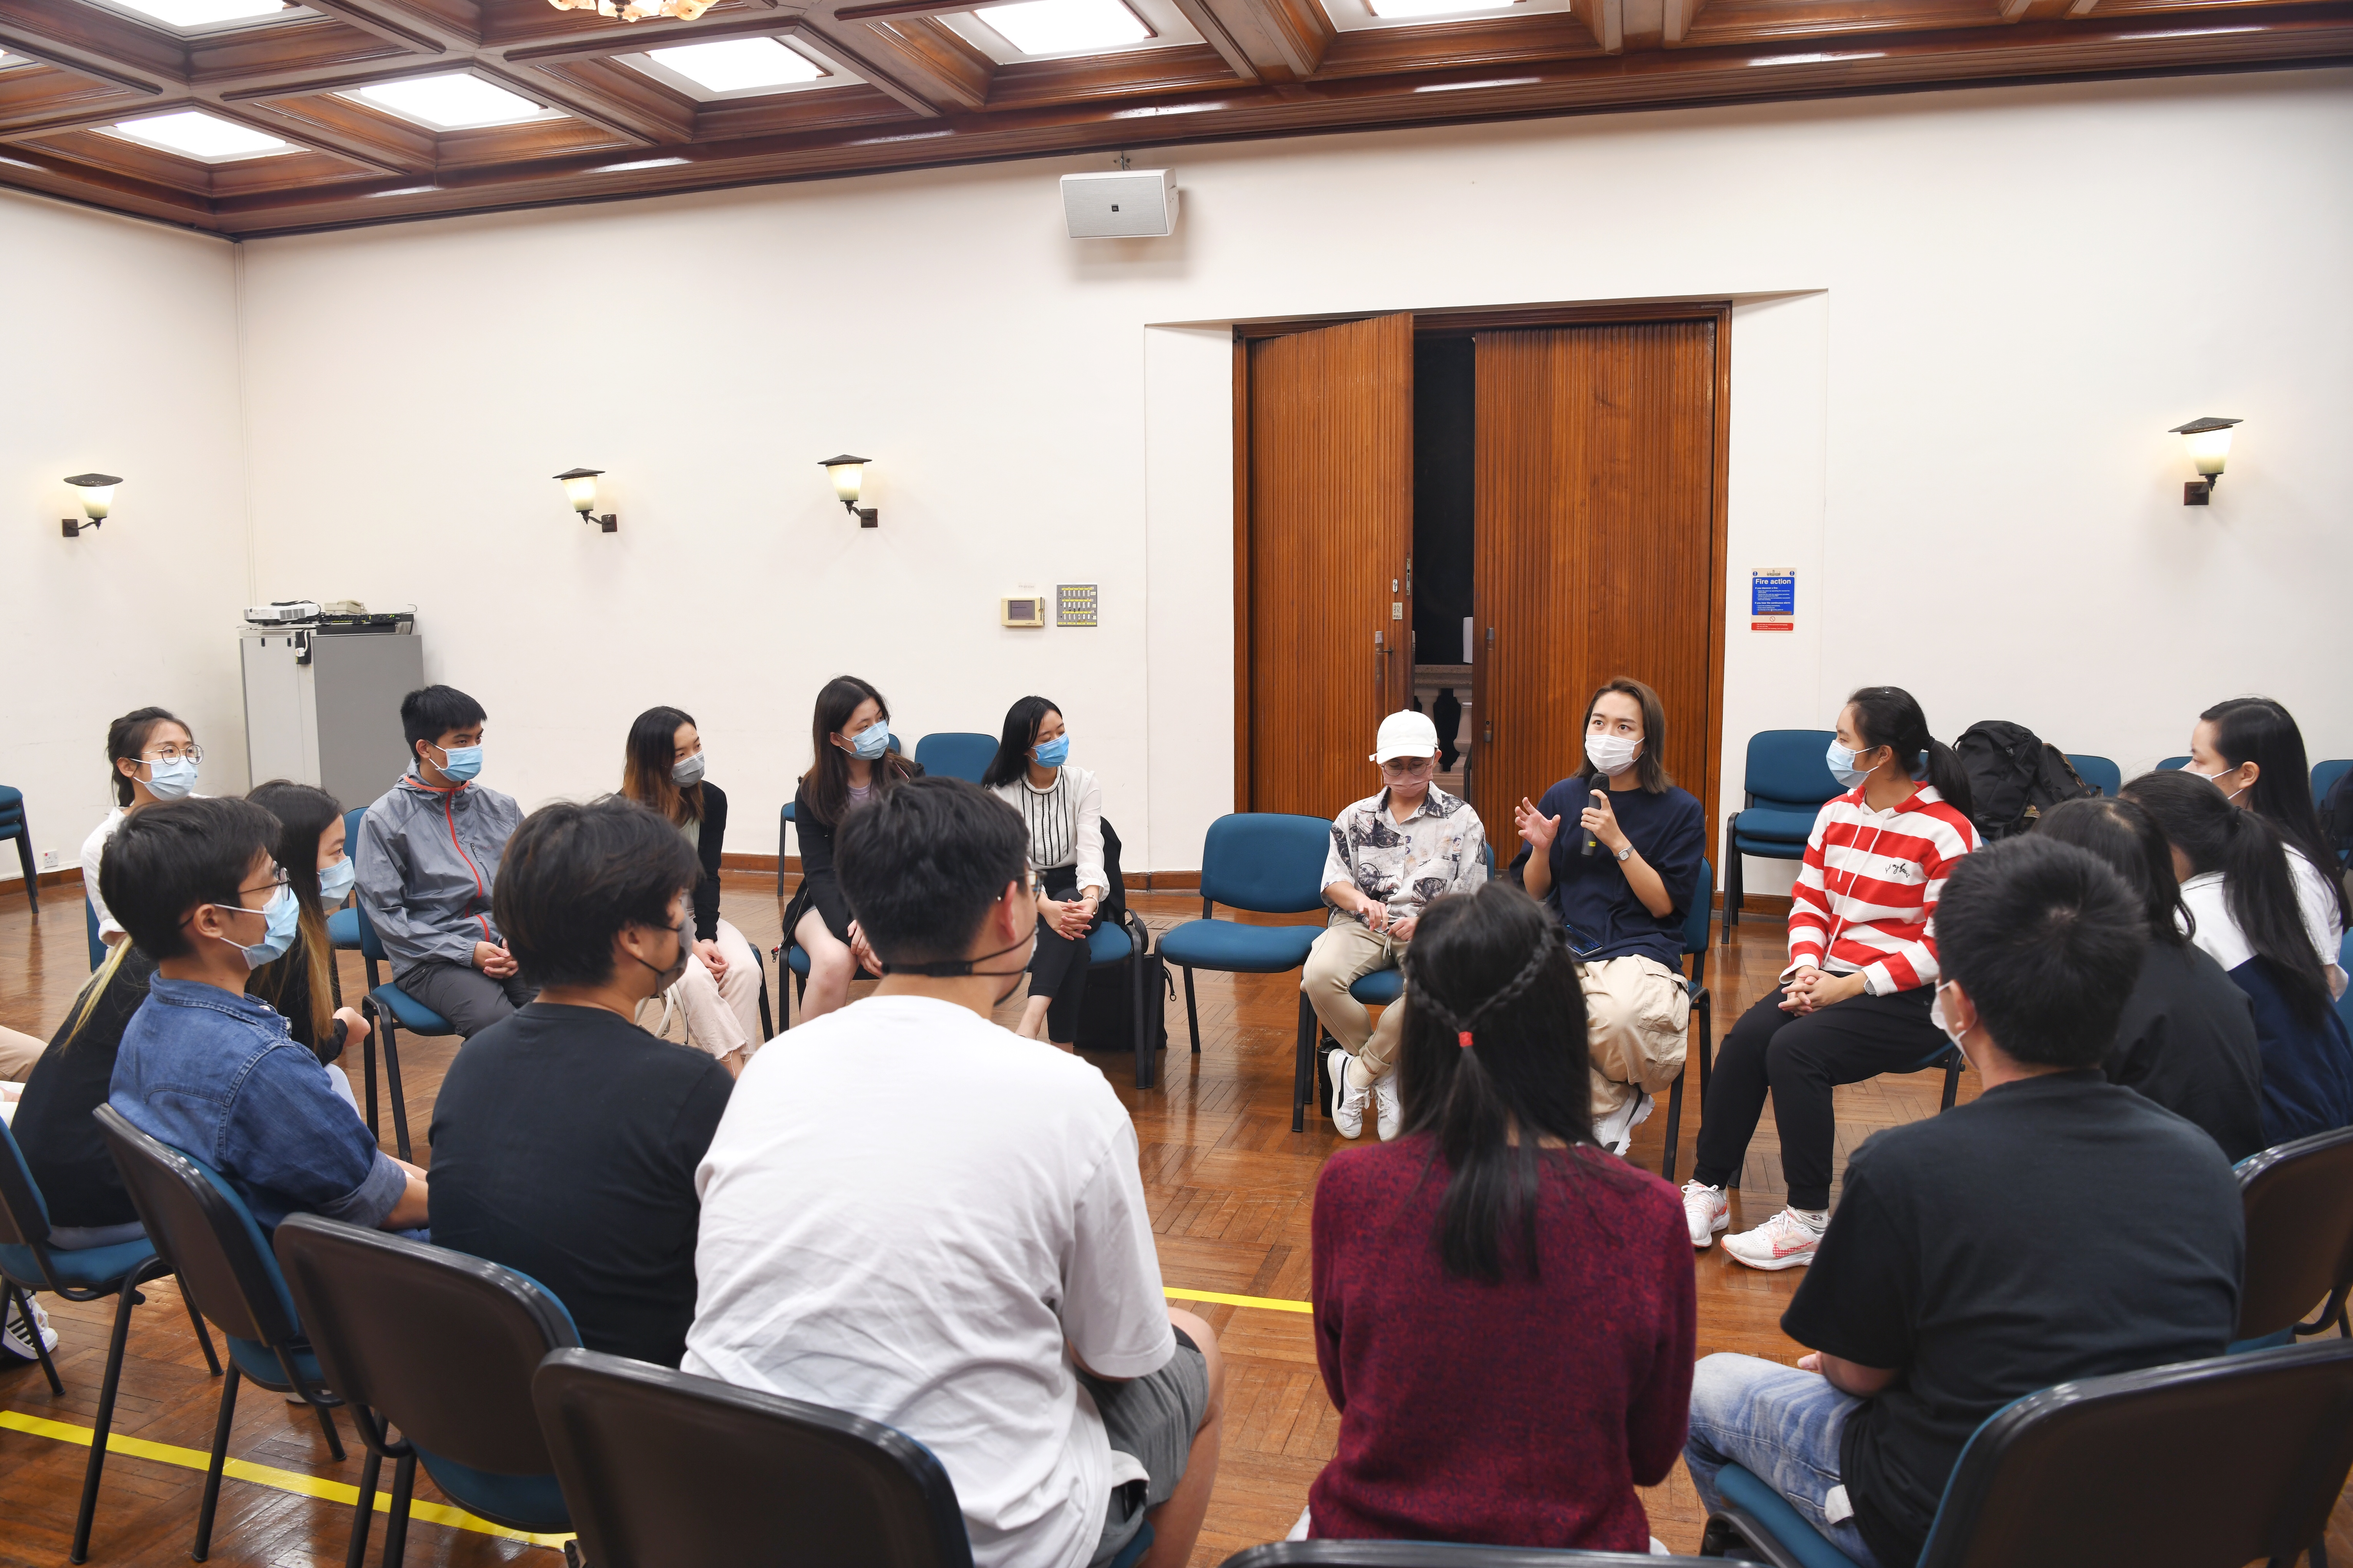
(925, 95)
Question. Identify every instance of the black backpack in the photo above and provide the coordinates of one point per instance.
(2337, 814)
(2014, 777)
(1106, 1021)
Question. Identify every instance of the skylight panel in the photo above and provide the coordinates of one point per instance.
(201, 13)
(193, 133)
(458, 101)
(1393, 10)
(738, 65)
(1044, 27)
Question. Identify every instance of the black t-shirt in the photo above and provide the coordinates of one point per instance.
(564, 1144)
(54, 1127)
(2056, 1227)
(2186, 1040)
(1589, 894)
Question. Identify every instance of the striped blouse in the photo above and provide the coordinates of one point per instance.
(1867, 891)
(1065, 822)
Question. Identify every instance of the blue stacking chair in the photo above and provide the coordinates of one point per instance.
(12, 826)
(1785, 784)
(441, 1346)
(97, 942)
(31, 1262)
(2344, 963)
(2098, 772)
(1267, 863)
(389, 1009)
(958, 753)
(1418, 1554)
(344, 924)
(2325, 775)
(784, 826)
(2167, 764)
(203, 1233)
(2089, 1471)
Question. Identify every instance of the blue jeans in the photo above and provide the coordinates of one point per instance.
(1780, 1424)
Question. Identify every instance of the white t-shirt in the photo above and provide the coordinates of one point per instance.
(92, 849)
(2208, 897)
(2316, 901)
(906, 1211)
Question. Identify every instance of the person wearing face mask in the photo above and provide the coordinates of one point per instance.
(854, 764)
(211, 1070)
(662, 770)
(297, 981)
(1391, 854)
(1854, 1002)
(428, 862)
(1621, 878)
(1970, 1262)
(149, 756)
(2252, 750)
(565, 1138)
(963, 1278)
(1062, 808)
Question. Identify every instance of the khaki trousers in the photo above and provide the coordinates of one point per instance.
(1636, 1018)
(17, 1054)
(720, 1016)
(1347, 951)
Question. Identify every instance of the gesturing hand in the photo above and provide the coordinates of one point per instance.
(1535, 826)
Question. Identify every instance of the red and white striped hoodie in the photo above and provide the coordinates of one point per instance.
(1868, 888)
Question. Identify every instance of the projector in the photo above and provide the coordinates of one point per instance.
(1128, 204)
(283, 612)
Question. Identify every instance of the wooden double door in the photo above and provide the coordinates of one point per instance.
(1598, 550)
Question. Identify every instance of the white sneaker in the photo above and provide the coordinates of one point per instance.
(1615, 1131)
(16, 1341)
(1347, 1104)
(1706, 1210)
(1785, 1241)
(1389, 1111)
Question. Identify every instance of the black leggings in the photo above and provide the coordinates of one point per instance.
(1059, 968)
(1801, 1059)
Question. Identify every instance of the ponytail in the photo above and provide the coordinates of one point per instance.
(1945, 774)
(94, 990)
(1889, 716)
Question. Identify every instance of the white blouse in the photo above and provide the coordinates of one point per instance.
(1065, 822)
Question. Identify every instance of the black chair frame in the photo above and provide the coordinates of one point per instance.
(380, 1027)
(1430, 1554)
(2278, 1186)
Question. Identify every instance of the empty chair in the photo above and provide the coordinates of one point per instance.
(2325, 775)
(2098, 772)
(441, 1346)
(1786, 781)
(12, 826)
(1266, 863)
(959, 754)
(202, 1230)
(2095, 1471)
(29, 1262)
(389, 1010)
(1421, 1554)
(97, 942)
(2299, 1199)
(2167, 764)
(661, 1467)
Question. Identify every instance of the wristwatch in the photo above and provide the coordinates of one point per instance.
(1625, 854)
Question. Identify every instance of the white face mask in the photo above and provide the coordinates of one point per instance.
(1613, 755)
(1936, 1016)
(2216, 780)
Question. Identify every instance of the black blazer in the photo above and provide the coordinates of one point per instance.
(708, 845)
(819, 887)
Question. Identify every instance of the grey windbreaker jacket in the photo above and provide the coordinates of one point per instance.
(427, 859)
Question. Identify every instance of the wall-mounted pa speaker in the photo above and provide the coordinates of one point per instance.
(1128, 203)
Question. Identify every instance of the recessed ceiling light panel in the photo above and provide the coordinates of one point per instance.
(1392, 10)
(193, 133)
(739, 65)
(1043, 29)
(190, 15)
(1350, 15)
(457, 101)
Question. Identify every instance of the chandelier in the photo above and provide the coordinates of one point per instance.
(638, 10)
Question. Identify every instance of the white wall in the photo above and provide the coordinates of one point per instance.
(120, 354)
(1993, 303)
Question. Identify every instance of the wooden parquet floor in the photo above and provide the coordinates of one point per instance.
(1230, 1187)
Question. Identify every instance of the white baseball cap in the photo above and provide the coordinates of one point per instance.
(1406, 735)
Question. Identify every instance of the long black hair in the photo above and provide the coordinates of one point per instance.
(127, 737)
(2123, 833)
(829, 775)
(1888, 716)
(304, 813)
(2245, 845)
(2259, 730)
(648, 763)
(1491, 967)
(1021, 723)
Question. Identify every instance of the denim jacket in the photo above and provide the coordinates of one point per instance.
(216, 1073)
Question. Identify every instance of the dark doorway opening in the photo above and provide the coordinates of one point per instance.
(1445, 455)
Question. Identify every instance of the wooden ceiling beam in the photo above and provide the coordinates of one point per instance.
(583, 102)
(109, 51)
(1283, 39)
(879, 61)
(373, 151)
(930, 57)
(1219, 36)
(771, 25)
(419, 34)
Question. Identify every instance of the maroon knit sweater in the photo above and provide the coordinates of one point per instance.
(1518, 1414)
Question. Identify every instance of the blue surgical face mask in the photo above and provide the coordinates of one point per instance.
(171, 778)
(285, 918)
(335, 881)
(1843, 768)
(870, 743)
(1053, 754)
(460, 765)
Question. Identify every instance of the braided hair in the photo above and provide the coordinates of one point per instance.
(1492, 1065)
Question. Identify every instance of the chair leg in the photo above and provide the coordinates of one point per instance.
(1302, 1071)
(1192, 1016)
(392, 1089)
(220, 1457)
(204, 1338)
(1143, 1051)
(1952, 1081)
(768, 1025)
(124, 1297)
(365, 1518)
(375, 1021)
(327, 1424)
(395, 1528)
(22, 1305)
(32, 878)
(1733, 894)
(1674, 1124)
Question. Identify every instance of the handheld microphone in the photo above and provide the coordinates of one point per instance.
(1589, 840)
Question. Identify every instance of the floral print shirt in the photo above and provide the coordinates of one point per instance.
(1437, 849)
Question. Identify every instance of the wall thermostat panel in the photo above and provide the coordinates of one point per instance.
(1023, 609)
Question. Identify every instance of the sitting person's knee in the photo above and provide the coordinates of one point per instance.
(1204, 1340)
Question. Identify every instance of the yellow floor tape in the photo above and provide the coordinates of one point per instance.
(1264, 1303)
(268, 1476)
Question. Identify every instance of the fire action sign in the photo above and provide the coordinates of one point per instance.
(1773, 599)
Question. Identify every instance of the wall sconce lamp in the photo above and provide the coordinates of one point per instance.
(580, 490)
(848, 473)
(97, 500)
(2208, 440)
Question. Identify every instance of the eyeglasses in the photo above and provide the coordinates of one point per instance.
(278, 879)
(1408, 767)
(170, 753)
